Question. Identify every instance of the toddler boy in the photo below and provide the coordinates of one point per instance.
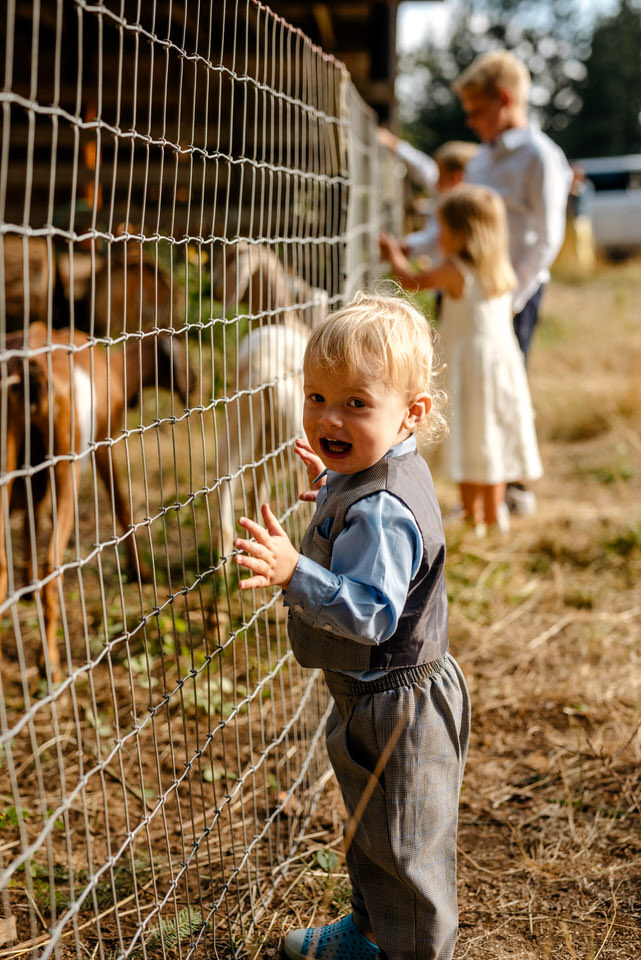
(367, 604)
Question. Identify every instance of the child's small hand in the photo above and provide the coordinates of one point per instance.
(386, 244)
(271, 555)
(391, 250)
(314, 465)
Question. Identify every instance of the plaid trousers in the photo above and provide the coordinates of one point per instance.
(401, 854)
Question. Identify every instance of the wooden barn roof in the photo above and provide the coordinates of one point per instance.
(361, 33)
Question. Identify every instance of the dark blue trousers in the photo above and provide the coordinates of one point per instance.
(526, 321)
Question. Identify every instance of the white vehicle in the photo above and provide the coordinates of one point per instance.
(612, 201)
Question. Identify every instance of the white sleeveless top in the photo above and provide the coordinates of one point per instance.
(492, 437)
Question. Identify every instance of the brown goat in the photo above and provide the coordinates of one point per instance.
(133, 293)
(130, 291)
(63, 395)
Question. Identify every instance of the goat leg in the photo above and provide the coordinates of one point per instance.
(63, 514)
(109, 473)
(11, 461)
(3, 553)
(236, 449)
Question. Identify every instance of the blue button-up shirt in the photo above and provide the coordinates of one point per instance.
(532, 175)
(374, 559)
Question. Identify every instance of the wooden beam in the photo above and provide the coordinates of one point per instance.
(323, 19)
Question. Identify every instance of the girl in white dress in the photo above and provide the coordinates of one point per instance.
(492, 438)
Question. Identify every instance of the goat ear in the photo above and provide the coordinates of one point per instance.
(175, 352)
(37, 387)
(238, 277)
(163, 345)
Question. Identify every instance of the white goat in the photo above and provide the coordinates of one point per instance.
(268, 410)
(252, 273)
(57, 403)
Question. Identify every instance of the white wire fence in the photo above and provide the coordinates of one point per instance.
(184, 190)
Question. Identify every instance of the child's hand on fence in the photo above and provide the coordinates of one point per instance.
(385, 241)
(271, 556)
(400, 267)
(314, 466)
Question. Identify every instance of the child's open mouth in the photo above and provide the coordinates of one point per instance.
(335, 448)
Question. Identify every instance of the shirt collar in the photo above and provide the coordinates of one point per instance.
(398, 450)
(512, 138)
(405, 446)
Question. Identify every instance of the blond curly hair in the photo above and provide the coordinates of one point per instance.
(386, 337)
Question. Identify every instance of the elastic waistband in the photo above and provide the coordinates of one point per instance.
(343, 685)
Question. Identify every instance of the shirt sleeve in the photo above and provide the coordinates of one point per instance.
(548, 181)
(422, 168)
(425, 241)
(534, 178)
(374, 559)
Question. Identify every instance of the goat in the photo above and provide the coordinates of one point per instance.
(267, 412)
(131, 293)
(268, 409)
(252, 273)
(65, 395)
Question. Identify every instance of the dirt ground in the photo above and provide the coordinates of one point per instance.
(546, 625)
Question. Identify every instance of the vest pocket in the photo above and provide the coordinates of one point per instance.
(321, 547)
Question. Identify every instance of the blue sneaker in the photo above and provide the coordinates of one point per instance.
(337, 941)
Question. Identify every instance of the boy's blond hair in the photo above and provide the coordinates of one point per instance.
(477, 215)
(454, 155)
(494, 72)
(384, 337)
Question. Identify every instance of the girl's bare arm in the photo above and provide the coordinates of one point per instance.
(444, 276)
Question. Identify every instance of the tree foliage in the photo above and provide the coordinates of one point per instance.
(609, 121)
(586, 83)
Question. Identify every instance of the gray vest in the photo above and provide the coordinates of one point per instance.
(421, 634)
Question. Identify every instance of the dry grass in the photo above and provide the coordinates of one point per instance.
(546, 625)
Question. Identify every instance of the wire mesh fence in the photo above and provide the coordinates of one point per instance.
(184, 191)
